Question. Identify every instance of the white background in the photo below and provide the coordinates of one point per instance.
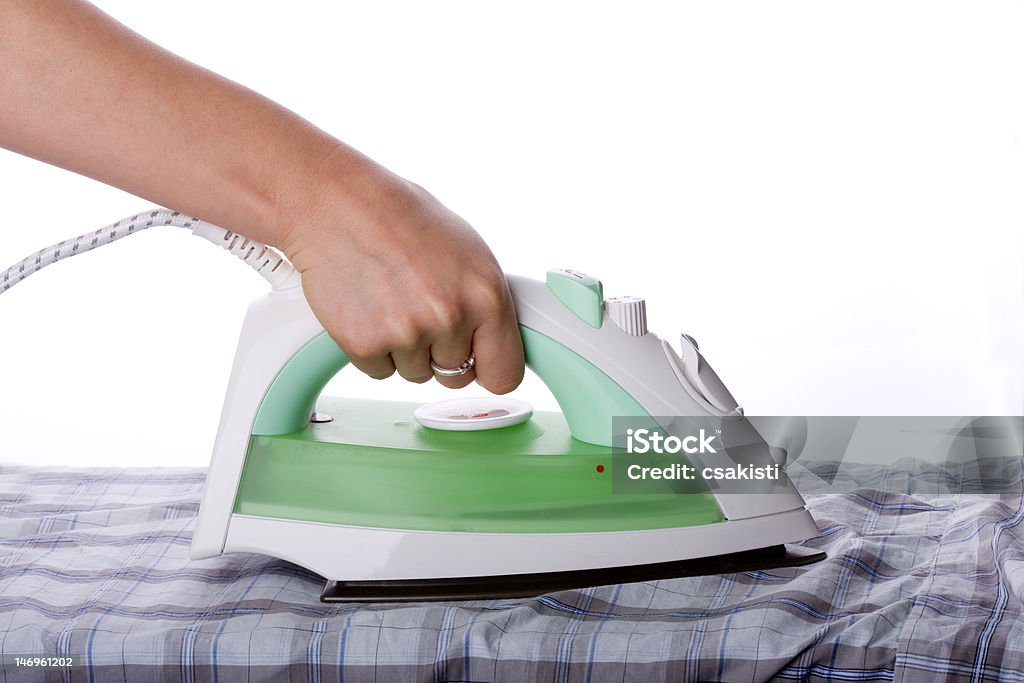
(826, 195)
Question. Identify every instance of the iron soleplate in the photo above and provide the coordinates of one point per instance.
(530, 585)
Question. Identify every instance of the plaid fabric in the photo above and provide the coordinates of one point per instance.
(918, 586)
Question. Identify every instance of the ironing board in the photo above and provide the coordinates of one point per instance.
(94, 565)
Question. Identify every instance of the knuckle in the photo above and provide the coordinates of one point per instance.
(364, 347)
(448, 314)
(405, 334)
(490, 289)
(418, 190)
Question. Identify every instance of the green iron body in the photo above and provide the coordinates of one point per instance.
(371, 498)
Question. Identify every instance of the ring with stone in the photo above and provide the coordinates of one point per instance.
(463, 368)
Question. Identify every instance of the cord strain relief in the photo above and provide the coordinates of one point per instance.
(271, 264)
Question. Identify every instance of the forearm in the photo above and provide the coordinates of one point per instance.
(82, 92)
(394, 276)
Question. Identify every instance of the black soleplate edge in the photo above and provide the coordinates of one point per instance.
(530, 585)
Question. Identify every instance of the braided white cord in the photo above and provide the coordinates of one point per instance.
(265, 260)
(89, 241)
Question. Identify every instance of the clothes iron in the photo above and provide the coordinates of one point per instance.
(388, 509)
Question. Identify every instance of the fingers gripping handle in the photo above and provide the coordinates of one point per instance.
(587, 396)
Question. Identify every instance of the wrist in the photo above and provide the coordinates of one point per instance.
(295, 193)
(336, 194)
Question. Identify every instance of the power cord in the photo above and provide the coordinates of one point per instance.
(264, 259)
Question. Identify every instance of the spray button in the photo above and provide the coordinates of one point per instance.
(581, 293)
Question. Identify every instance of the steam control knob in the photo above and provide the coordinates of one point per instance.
(629, 313)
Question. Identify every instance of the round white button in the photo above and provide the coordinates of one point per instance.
(471, 414)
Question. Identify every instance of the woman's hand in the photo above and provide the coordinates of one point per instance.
(397, 279)
(394, 277)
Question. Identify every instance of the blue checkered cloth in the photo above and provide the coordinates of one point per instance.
(924, 581)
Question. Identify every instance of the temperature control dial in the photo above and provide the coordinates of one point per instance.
(629, 313)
